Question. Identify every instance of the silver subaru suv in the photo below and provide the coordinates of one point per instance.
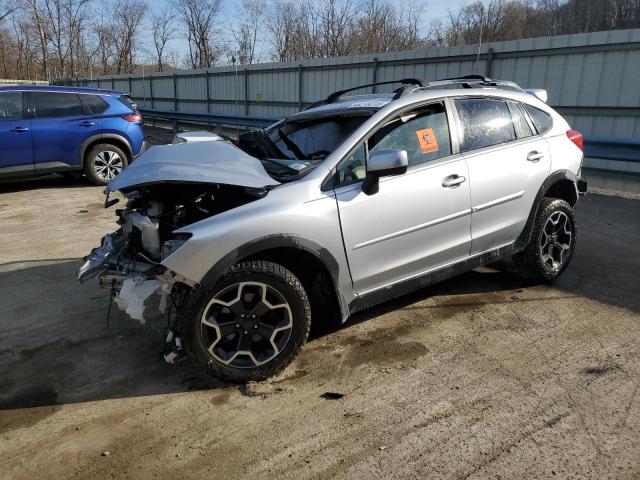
(242, 244)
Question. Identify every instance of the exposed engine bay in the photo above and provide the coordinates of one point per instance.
(129, 260)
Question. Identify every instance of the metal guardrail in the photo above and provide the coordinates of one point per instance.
(207, 119)
(605, 148)
(608, 148)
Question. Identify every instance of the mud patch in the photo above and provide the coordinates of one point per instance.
(599, 370)
(221, 399)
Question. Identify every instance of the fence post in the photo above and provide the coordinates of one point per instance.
(175, 92)
(113, 83)
(246, 92)
(151, 90)
(130, 89)
(487, 71)
(206, 79)
(374, 77)
(300, 67)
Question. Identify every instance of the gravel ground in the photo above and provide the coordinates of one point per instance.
(481, 376)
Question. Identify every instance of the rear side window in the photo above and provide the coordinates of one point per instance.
(10, 105)
(520, 123)
(50, 104)
(541, 120)
(93, 104)
(485, 122)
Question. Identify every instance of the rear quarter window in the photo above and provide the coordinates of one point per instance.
(93, 104)
(541, 120)
(485, 122)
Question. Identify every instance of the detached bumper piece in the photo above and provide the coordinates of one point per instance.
(94, 262)
(582, 187)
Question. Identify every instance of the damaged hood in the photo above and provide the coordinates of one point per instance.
(218, 162)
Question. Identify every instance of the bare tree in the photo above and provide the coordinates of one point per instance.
(246, 35)
(198, 17)
(127, 16)
(162, 31)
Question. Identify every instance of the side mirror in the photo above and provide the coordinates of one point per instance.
(384, 163)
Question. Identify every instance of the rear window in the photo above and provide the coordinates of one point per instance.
(10, 105)
(541, 120)
(53, 104)
(93, 104)
(485, 122)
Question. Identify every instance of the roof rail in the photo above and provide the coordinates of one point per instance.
(468, 77)
(405, 81)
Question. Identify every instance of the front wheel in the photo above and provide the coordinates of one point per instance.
(552, 242)
(250, 325)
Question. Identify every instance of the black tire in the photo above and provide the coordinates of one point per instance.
(196, 335)
(107, 151)
(533, 262)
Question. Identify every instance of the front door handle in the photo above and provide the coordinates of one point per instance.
(534, 156)
(453, 181)
(19, 129)
(87, 123)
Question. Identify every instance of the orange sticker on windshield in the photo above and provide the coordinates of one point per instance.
(427, 140)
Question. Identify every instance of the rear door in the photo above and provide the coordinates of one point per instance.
(417, 221)
(507, 165)
(16, 150)
(60, 124)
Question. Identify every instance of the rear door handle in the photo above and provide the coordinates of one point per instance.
(19, 129)
(87, 123)
(534, 156)
(453, 181)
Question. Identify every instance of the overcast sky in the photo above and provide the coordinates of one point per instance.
(431, 10)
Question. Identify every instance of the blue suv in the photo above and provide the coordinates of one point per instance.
(67, 130)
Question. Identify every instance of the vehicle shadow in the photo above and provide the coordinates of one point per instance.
(54, 180)
(55, 346)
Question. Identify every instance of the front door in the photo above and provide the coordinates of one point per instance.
(16, 151)
(417, 221)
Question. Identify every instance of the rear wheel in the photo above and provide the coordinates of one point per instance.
(552, 242)
(104, 162)
(250, 325)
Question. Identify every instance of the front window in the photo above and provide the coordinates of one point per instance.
(423, 133)
(10, 105)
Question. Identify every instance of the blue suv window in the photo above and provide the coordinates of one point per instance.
(93, 104)
(49, 104)
(10, 105)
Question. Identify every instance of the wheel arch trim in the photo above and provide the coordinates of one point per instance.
(102, 137)
(270, 242)
(561, 175)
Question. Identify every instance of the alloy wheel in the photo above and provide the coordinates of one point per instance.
(107, 164)
(246, 325)
(555, 241)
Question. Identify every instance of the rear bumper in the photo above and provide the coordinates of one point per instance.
(143, 148)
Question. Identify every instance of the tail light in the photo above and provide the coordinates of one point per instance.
(133, 117)
(577, 139)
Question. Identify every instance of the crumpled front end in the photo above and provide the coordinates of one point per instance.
(129, 261)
